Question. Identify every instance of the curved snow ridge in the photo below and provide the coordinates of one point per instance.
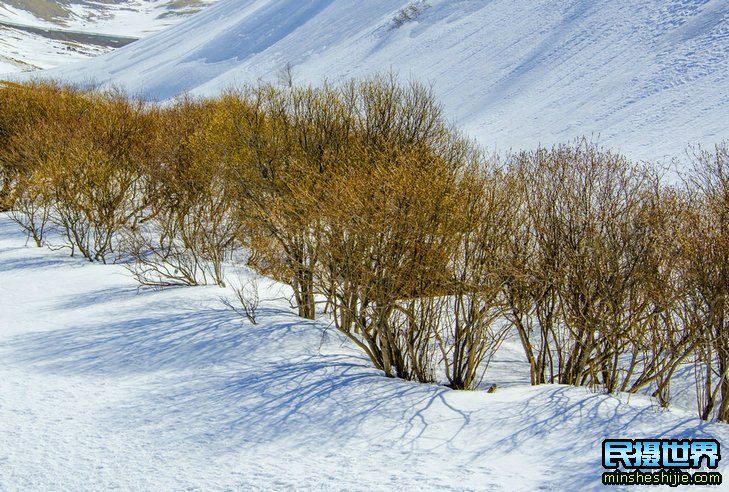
(647, 77)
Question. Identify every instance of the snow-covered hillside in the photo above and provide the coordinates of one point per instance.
(646, 77)
(107, 386)
(50, 33)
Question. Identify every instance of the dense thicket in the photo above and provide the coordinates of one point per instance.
(424, 251)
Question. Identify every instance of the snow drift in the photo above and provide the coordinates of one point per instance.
(646, 78)
(104, 385)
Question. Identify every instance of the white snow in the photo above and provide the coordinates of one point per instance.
(23, 51)
(646, 78)
(134, 18)
(107, 386)
(104, 385)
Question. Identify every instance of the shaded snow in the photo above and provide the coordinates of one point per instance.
(104, 385)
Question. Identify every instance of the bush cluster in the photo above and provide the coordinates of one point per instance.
(425, 251)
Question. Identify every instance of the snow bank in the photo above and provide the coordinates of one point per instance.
(104, 385)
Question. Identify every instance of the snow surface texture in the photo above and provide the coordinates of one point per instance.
(646, 78)
(107, 386)
(23, 51)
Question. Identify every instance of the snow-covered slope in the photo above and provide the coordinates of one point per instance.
(126, 17)
(24, 47)
(105, 386)
(647, 77)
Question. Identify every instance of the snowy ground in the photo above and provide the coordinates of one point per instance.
(25, 51)
(135, 18)
(106, 386)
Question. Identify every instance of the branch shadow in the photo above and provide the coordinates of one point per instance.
(201, 375)
(154, 341)
(575, 425)
(230, 383)
(35, 263)
(104, 296)
(315, 400)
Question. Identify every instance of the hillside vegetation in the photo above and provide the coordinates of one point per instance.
(423, 250)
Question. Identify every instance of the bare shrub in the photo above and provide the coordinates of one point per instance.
(25, 189)
(282, 145)
(22, 106)
(248, 298)
(77, 166)
(386, 253)
(592, 269)
(473, 328)
(408, 13)
(705, 271)
(187, 224)
(31, 207)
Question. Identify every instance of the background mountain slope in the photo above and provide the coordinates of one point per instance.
(647, 77)
(38, 34)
